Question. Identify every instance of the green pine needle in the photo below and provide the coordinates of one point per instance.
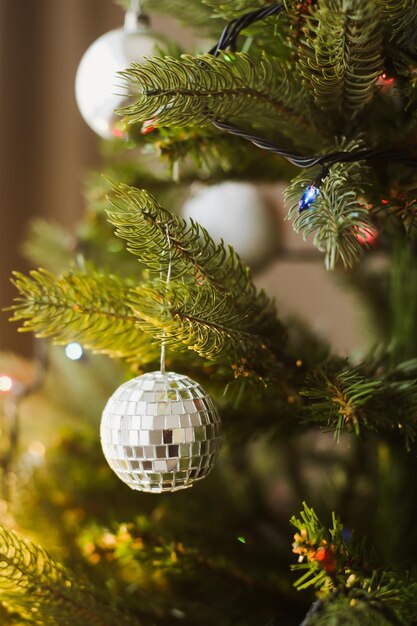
(342, 398)
(43, 592)
(345, 572)
(197, 90)
(342, 55)
(402, 18)
(87, 307)
(338, 214)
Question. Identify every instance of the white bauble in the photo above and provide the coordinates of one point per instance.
(160, 432)
(98, 88)
(237, 213)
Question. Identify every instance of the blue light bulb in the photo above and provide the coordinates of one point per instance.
(308, 198)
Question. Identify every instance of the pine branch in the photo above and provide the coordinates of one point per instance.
(196, 90)
(228, 320)
(200, 319)
(343, 398)
(338, 213)
(346, 573)
(159, 239)
(90, 308)
(218, 154)
(400, 203)
(269, 36)
(402, 18)
(342, 57)
(44, 592)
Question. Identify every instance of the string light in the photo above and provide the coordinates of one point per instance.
(308, 198)
(36, 448)
(227, 41)
(74, 351)
(366, 235)
(6, 383)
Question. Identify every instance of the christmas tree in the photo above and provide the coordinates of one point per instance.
(325, 87)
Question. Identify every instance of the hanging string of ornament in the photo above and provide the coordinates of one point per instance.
(161, 432)
(227, 41)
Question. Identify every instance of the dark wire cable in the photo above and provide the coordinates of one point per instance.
(228, 41)
(325, 160)
(232, 30)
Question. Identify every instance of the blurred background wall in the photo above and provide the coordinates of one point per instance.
(45, 149)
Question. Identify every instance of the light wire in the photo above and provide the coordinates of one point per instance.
(227, 41)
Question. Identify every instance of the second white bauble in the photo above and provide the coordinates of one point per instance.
(237, 213)
(98, 88)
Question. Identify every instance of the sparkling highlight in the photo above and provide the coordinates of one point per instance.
(74, 351)
(6, 383)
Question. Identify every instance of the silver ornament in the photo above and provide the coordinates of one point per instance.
(238, 214)
(98, 89)
(160, 432)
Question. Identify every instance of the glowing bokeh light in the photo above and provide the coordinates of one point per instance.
(366, 235)
(6, 383)
(74, 351)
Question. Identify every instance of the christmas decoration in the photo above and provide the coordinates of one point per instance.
(308, 198)
(74, 351)
(6, 383)
(237, 213)
(366, 235)
(307, 102)
(98, 88)
(149, 126)
(160, 432)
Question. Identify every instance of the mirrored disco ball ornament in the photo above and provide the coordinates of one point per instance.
(98, 88)
(160, 432)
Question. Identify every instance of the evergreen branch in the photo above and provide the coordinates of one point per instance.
(89, 308)
(198, 318)
(342, 568)
(342, 56)
(43, 592)
(351, 400)
(402, 18)
(269, 35)
(196, 90)
(108, 315)
(337, 215)
(340, 397)
(402, 204)
(219, 154)
(160, 239)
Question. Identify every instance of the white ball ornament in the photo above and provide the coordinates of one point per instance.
(160, 432)
(237, 213)
(98, 89)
